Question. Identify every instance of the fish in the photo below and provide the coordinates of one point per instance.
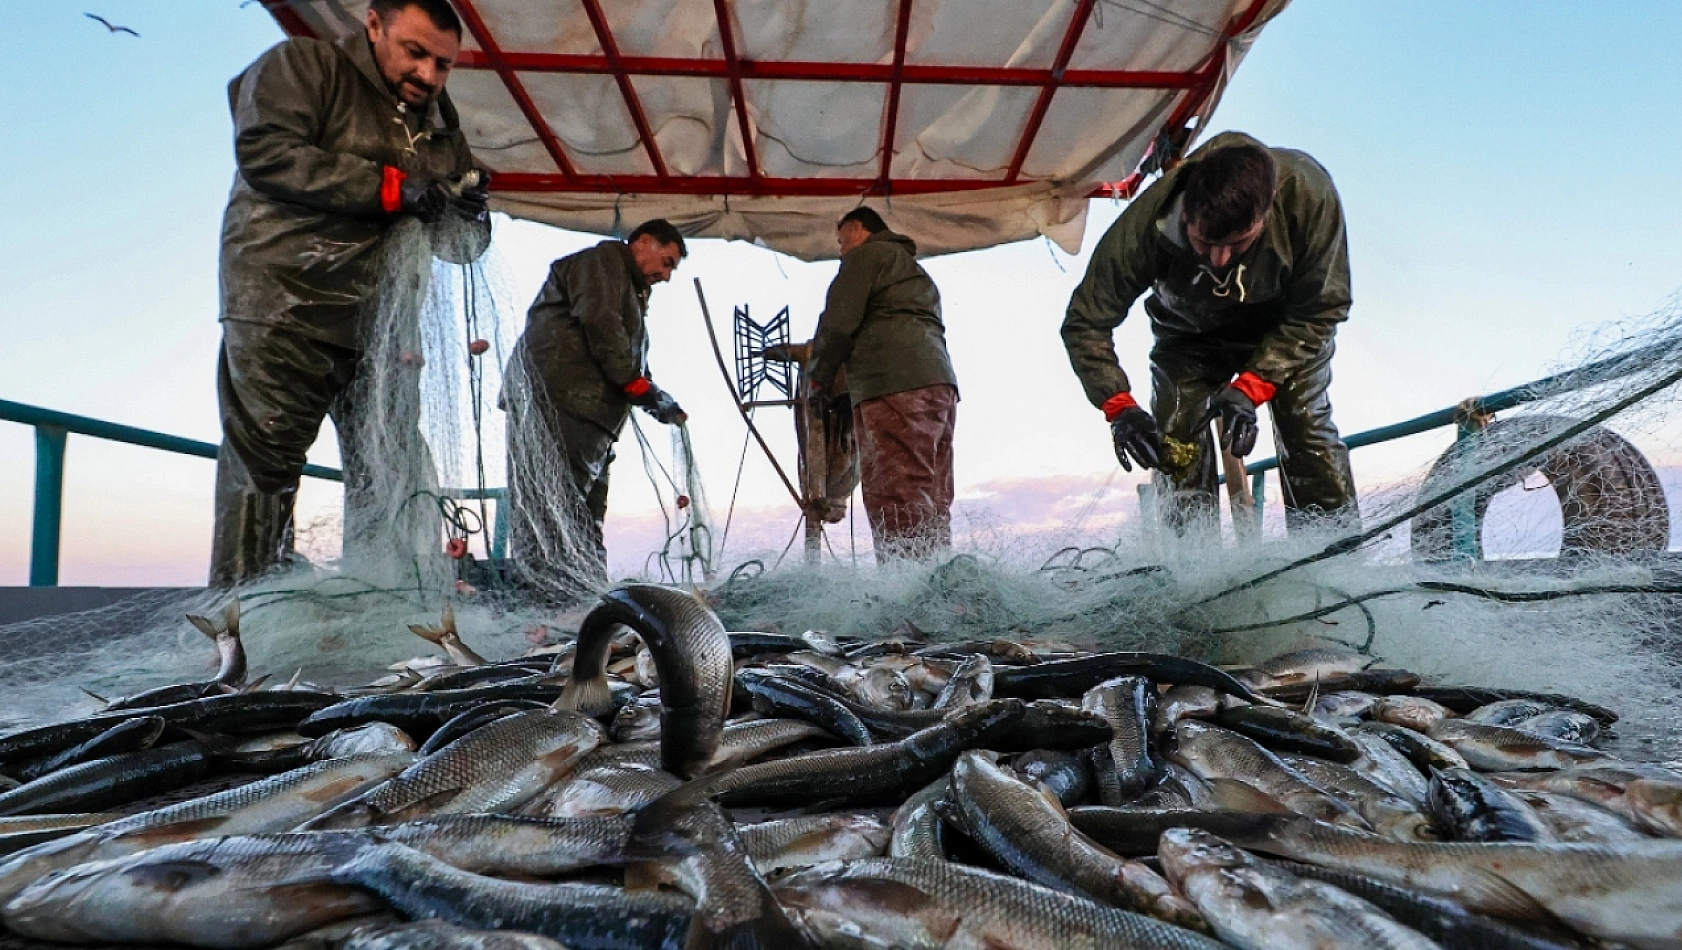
(1566, 725)
(1506, 712)
(446, 636)
(1626, 893)
(1381, 762)
(604, 790)
(1472, 808)
(1257, 906)
(1390, 814)
(801, 842)
(580, 916)
(24, 831)
(637, 720)
(774, 695)
(227, 893)
(692, 653)
(1414, 712)
(1212, 752)
(1465, 699)
(500, 766)
(910, 904)
(1028, 833)
(1344, 704)
(375, 737)
(1441, 920)
(272, 804)
(1572, 819)
(1050, 724)
(740, 743)
(129, 736)
(1184, 702)
(1384, 681)
(1502, 748)
(1073, 677)
(439, 935)
(1127, 704)
(230, 672)
(114, 780)
(1423, 750)
(1312, 665)
(419, 714)
(237, 713)
(468, 720)
(1656, 805)
(916, 824)
(1285, 730)
(970, 683)
(1065, 775)
(853, 774)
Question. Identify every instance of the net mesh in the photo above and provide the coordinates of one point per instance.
(1453, 572)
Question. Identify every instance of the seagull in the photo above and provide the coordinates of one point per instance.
(107, 24)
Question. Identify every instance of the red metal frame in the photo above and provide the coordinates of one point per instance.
(1198, 86)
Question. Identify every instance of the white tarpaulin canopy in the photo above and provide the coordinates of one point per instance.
(968, 123)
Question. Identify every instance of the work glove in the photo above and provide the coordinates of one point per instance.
(1136, 435)
(660, 404)
(425, 198)
(469, 200)
(1238, 420)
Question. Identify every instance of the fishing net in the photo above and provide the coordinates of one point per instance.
(1531, 553)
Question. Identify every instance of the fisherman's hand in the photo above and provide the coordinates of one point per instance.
(470, 202)
(425, 198)
(1235, 405)
(660, 404)
(1135, 434)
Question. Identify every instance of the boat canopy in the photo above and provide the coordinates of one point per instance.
(968, 123)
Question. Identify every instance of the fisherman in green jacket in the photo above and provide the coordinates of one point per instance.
(572, 378)
(881, 324)
(1243, 248)
(337, 145)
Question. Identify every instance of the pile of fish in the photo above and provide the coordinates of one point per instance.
(660, 782)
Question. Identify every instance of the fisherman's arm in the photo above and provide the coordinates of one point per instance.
(843, 314)
(1120, 271)
(598, 296)
(279, 109)
(1318, 297)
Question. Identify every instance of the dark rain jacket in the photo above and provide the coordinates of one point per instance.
(881, 323)
(586, 334)
(1281, 300)
(314, 123)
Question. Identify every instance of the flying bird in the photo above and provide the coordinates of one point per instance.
(109, 26)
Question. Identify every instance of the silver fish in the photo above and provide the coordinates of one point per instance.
(1500, 748)
(801, 842)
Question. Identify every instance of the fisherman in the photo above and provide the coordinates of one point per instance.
(337, 145)
(1243, 247)
(881, 328)
(572, 378)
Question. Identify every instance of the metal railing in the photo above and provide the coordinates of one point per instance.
(52, 431)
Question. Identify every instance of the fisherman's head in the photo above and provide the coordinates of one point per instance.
(856, 226)
(657, 247)
(416, 43)
(1225, 200)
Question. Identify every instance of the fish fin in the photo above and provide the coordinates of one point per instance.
(589, 695)
(1490, 893)
(656, 833)
(293, 682)
(1313, 697)
(204, 625)
(94, 695)
(447, 619)
(429, 634)
(421, 807)
(252, 686)
(230, 619)
(642, 876)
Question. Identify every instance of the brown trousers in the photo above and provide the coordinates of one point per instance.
(905, 469)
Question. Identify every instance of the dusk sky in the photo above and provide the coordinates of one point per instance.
(1507, 170)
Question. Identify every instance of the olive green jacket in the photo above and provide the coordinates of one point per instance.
(586, 334)
(314, 124)
(881, 323)
(1282, 299)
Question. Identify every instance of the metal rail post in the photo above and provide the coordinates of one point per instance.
(49, 505)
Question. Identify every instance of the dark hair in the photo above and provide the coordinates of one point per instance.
(868, 217)
(1229, 190)
(442, 14)
(663, 232)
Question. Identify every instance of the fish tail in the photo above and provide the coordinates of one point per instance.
(589, 695)
(429, 634)
(204, 625)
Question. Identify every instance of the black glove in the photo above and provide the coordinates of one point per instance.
(425, 198)
(660, 404)
(1238, 420)
(1136, 435)
(470, 201)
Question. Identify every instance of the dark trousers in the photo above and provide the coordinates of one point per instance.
(558, 467)
(1314, 462)
(905, 468)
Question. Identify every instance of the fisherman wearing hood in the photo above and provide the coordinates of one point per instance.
(881, 328)
(1243, 248)
(337, 145)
